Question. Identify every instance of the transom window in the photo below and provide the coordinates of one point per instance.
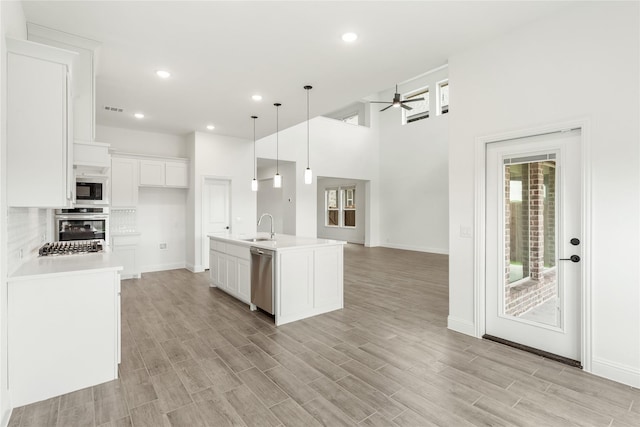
(340, 207)
(419, 109)
(443, 97)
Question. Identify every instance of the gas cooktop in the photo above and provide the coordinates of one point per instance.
(72, 247)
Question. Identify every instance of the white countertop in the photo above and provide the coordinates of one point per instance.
(49, 266)
(279, 242)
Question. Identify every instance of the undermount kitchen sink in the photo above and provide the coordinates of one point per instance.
(258, 239)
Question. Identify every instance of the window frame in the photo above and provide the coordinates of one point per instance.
(439, 104)
(406, 117)
(341, 201)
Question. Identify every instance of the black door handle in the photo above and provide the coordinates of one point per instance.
(575, 241)
(572, 258)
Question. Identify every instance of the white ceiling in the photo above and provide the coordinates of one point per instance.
(221, 53)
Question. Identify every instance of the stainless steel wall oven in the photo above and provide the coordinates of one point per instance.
(82, 224)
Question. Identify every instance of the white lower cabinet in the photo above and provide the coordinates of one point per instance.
(230, 270)
(63, 334)
(125, 247)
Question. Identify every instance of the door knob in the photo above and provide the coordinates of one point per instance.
(572, 258)
(574, 241)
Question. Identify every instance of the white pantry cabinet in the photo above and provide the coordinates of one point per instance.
(124, 182)
(164, 173)
(229, 269)
(83, 85)
(39, 125)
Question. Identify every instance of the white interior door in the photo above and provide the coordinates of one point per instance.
(533, 224)
(216, 212)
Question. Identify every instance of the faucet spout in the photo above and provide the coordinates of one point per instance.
(270, 217)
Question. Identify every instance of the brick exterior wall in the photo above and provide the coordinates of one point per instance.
(536, 217)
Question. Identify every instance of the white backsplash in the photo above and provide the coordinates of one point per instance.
(123, 220)
(26, 232)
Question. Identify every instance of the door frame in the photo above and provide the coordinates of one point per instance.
(203, 183)
(479, 285)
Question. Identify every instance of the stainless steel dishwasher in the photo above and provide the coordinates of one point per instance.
(262, 278)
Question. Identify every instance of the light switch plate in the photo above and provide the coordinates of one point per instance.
(465, 231)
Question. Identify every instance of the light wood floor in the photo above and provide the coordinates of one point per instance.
(193, 356)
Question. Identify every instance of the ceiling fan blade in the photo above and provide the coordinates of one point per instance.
(406, 107)
(380, 102)
(386, 108)
(413, 100)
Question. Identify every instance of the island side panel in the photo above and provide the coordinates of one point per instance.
(308, 282)
(75, 347)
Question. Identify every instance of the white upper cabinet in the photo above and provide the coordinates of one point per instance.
(124, 183)
(91, 155)
(39, 132)
(164, 173)
(83, 85)
(152, 173)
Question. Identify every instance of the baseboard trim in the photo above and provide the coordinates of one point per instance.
(616, 372)
(162, 267)
(6, 416)
(416, 248)
(460, 325)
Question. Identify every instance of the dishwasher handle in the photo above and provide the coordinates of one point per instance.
(261, 252)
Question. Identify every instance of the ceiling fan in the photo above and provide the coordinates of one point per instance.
(397, 102)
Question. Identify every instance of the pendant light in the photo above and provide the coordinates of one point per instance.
(277, 178)
(308, 175)
(254, 181)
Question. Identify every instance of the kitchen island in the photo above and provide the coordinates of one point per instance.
(308, 272)
(63, 325)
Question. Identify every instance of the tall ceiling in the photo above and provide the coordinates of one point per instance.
(220, 53)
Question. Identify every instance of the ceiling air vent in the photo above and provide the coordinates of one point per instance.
(113, 109)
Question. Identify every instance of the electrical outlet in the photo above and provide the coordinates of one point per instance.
(466, 232)
(163, 246)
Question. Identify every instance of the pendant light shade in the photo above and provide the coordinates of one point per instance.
(277, 179)
(254, 181)
(308, 174)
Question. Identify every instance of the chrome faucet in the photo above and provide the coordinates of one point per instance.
(270, 216)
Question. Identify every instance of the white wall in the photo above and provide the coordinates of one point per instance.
(161, 218)
(281, 203)
(414, 208)
(352, 234)
(337, 149)
(142, 142)
(13, 24)
(582, 62)
(221, 157)
(162, 212)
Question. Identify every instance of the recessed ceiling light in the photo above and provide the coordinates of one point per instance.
(139, 116)
(257, 97)
(163, 74)
(349, 37)
(211, 127)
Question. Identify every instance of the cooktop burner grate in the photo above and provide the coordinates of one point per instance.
(71, 247)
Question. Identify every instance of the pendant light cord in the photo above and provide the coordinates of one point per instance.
(277, 142)
(254, 146)
(308, 125)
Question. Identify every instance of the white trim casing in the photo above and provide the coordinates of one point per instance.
(479, 285)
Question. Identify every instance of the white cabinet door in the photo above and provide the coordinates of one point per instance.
(232, 275)
(222, 270)
(39, 171)
(124, 184)
(213, 267)
(296, 283)
(92, 154)
(176, 174)
(152, 173)
(244, 280)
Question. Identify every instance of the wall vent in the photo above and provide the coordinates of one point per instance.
(113, 109)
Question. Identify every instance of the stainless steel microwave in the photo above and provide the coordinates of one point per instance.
(91, 191)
